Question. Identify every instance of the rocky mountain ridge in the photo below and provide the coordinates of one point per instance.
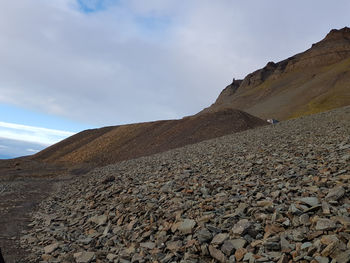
(309, 82)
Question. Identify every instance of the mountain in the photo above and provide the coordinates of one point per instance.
(313, 81)
(112, 144)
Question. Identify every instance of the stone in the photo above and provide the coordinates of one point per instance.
(335, 193)
(186, 226)
(325, 224)
(84, 257)
(327, 239)
(51, 248)
(217, 254)
(343, 256)
(310, 201)
(241, 227)
(304, 219)
(111, 257)
(238, 243)
(285, 245)
(204, 235)
(320, 259)
(305, 245)
(174, 245)
(227, 248)
(219, 239)
(239, 254)
(329, 249)
(272, 246)
(264, 203)
(99, 220)
(148, 245)
(283, 259)
(249, 257)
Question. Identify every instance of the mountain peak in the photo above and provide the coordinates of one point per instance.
(336, 34)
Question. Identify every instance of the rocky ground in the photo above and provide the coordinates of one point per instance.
(274, 194)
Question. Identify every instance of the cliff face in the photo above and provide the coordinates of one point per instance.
(310, 82)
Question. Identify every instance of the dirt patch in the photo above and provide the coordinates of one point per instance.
(23, 185)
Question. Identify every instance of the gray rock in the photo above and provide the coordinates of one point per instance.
(335, 193)
(149, 245)
(187, 226)
(238, 243)
(51, 248)
(310, 201)
(219, 239)
(325, 224)
(241, 227)
(204, 235)
(84, 257)
(320, 259)
(227, 248)
(217, 254)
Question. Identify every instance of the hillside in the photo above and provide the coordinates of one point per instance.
(313, 81)
(278, 193)
(112, 144)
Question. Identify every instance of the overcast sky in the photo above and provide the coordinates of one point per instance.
(74, 64)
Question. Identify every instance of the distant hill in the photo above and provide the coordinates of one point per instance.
(112, 144)
(310, 82)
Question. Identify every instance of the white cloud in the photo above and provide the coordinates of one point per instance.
(145, 60)
(32, 134)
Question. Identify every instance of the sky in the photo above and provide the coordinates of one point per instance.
(70, 65)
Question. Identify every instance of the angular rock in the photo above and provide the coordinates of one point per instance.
(217, 254)
(51, 248)
(241, 227)
(84, 257)
(186, 226)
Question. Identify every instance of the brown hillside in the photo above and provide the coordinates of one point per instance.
(313, 81)
(112, 144)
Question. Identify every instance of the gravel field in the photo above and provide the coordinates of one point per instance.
(279, 193)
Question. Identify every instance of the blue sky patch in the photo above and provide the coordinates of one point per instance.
(91, 6)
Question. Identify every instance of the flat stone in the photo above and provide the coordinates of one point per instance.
(51, 248)
(174, 245)
(186, 226)
(111, 257)
(227, 248)
(327, 239)
(149, 245)
(335, 193)
(305, 245)
(241, 227)
(84, 257)
(217, 254)
(325, 224)
(204, 235)
(343, 256)
(310, 201)
(239, 254)
(99, 220)
(320, 259)
(219, 239)
(249, 257)
(264, 203)
(238, 243)
(329, 249)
